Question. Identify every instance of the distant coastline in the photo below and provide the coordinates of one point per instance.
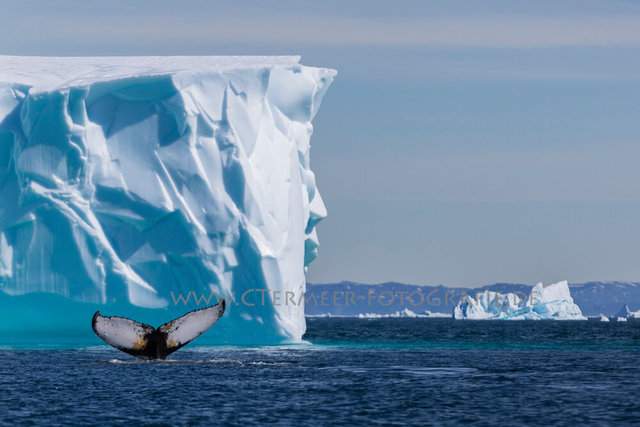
(391, 299)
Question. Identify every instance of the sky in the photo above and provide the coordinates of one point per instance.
(462, 143)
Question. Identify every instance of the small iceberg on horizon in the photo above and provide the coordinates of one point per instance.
(402, 313)
(405, 313)
(626, 314)
(544, 302)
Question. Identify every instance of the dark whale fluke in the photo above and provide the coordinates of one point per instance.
(141, 340)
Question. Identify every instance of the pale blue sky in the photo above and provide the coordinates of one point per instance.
(463, 142)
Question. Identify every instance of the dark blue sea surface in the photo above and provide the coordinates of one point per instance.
(353, 371)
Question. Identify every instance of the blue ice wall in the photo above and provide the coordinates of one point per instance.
(150, 195)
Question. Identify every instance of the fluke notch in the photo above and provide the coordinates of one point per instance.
(145, 341)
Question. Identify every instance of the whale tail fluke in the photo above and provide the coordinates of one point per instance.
(184, 329)
(142, 340)
(124, 334)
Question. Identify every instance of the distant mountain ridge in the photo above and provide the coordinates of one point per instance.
(351, 298)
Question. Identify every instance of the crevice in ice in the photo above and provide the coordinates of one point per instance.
(132, 189)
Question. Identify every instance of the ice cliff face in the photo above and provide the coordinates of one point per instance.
(544, 302)
(131, 182)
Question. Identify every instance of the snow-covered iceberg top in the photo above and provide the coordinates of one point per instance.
(138, 181)
(43, 73)
(544, 302)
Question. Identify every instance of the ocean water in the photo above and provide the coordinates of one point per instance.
(353, 371)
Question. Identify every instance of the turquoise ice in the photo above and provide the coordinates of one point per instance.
(128, 183)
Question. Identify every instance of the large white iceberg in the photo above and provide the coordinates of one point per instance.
(544, 302)
(129, 182)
